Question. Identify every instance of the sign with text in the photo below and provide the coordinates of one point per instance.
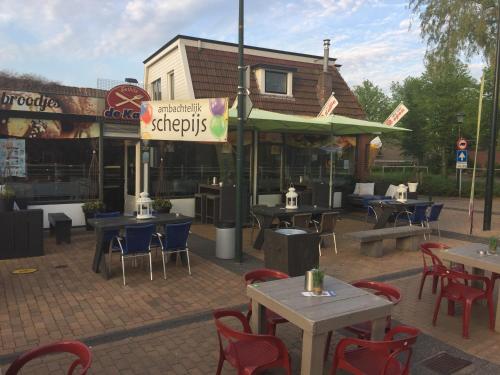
(329, 106)
(199, 120)
(12, 157)
(123, 102)
(396, 115)
(461, 157)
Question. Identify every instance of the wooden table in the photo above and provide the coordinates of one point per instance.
(386, 208)
(317, 316)
(469, 256)
(266, 216)
(116, 223)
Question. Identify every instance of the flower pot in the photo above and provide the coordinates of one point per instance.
(88, 215)
(318, 290)
(6, 204)
(163, 210)
(412, 187)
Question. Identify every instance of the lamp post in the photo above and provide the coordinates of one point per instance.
(460, 121)
(490, 170)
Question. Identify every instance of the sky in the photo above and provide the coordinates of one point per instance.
(78, 42)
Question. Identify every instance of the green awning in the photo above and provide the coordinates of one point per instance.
(267, 121)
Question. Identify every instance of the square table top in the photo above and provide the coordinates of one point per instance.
(282, 211)
(470, 256)
(351, 305)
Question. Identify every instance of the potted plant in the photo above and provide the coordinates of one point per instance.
(90, 208)
(162, 205)
(493, 245)
(7, 195)
(318, 277)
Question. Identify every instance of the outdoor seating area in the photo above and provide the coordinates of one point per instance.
(254, 307)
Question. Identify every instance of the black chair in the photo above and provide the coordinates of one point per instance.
(212, 208)
(200, 207)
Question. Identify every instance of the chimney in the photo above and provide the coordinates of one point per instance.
(324, 88)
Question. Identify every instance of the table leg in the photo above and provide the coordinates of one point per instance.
(383, 217)
(378, 328)
(266, 223)
(313, 349)
(258, 320)
(497, 319)
(97, 254)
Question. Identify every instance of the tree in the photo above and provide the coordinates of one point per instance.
(453, 27)
(375, 103)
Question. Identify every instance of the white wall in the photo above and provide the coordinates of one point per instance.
(73, 210)
(269, 199)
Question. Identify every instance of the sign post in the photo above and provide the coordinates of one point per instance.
(461, 163)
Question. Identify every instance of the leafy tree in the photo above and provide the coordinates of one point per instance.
(375, 103)
(453, 27)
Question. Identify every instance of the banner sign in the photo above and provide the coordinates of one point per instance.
(12, 158)
(199, 120)
(48, 103)
(396, 115)
(123, 102)
(329, 106)
(47, 129)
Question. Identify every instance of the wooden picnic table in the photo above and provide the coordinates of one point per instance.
(469, 256)
(117, 223)
(317, 316)
(386, 208)
(267, 214)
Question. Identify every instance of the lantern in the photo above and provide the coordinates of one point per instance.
(144, 206)
(401, 193)
(291, 198)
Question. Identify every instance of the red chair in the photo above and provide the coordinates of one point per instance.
(391, 356)
(246, 352)
(73, 347)
(263, 275)
(432, 263)
(455, 290)
(494, 277)
(364, 330)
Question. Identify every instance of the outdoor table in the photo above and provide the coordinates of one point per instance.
(116, 223)
(386, 208)
(468, 255)
(266, 216)
(317, 316)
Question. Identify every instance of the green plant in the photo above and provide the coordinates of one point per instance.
(7, 192)
(493, 244)
(318, 276)
(93, 206)
(161, 204)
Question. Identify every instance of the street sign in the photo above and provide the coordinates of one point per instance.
(462, 144)
(461, 158)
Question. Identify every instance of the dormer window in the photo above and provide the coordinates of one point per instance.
(274, 80)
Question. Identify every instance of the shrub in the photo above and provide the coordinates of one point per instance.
(93, 206)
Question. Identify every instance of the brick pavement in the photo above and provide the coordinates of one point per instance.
(73, 302)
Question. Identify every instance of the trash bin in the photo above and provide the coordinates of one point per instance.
(291, 250)
(224, 240)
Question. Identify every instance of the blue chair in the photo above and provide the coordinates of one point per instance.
(173, 241)
(136, 243)
(109, 236)
(433, 216)
(418, 216)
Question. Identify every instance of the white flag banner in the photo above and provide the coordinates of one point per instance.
(396, 115)
(329, 106)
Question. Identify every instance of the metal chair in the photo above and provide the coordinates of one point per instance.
(247, 352)
(301, 220)
(326, 227)
(417, 216)
(110, 235)
(390, 356)
(72, 347)
(256, 220)
(173, 241)
(433, 217)
(136, 243)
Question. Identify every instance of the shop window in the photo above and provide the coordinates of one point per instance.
(171, 85)
(56, 170)
(156, 88)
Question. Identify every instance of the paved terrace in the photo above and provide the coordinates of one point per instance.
(165, 326)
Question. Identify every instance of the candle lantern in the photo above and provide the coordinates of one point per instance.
(144, 206)
(291, 198)
(402, 193)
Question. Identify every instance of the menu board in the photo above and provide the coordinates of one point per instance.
(12, 157)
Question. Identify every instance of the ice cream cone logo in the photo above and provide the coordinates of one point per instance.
(146, 113)
(218, 108)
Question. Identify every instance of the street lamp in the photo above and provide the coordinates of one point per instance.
(460, 121)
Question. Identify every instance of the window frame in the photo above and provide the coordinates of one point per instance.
(156, 89)
(171, 85)
(284, 74)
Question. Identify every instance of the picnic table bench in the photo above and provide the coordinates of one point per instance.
(407, 238)
(60, 223)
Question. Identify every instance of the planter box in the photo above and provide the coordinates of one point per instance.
(293, 254)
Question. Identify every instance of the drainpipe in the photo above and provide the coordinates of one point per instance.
(326, 54)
